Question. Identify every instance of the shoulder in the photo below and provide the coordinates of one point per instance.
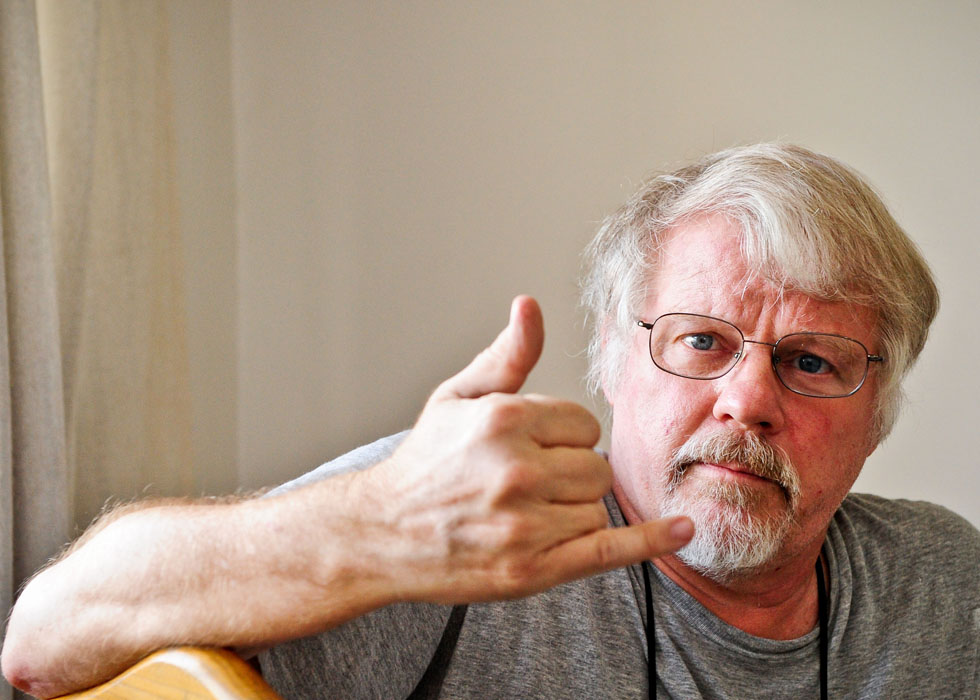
(899, 533)
(928, 522)
(356, 460)
(906, 603)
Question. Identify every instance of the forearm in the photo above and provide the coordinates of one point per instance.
(246, 574)
(491, 496)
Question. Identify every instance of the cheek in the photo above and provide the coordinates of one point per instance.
(653, 418)
(828, 451)
(686, 406)
(812, 425)
(666, 412)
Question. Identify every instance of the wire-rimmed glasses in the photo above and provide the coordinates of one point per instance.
(822, 365)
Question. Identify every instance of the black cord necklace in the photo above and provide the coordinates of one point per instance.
(823, 612)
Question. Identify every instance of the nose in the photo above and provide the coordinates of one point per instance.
(750, 395)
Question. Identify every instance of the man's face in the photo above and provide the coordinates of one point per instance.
(655, 413)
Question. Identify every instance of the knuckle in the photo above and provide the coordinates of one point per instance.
(502, 413)
(517, 576)
(513, 477)
(603, 472)
(600, 516)
(587, 424)
(607, 551)
(591, 425)
(514, 532)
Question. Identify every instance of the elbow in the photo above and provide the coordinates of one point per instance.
(26, 659)
(22, 671)
(13, 665)
(18, 669)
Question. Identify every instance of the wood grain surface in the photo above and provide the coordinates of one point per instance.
(184, 673)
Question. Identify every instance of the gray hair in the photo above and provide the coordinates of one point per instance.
(808, 222)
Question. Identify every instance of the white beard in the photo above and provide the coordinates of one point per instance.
(729, 539)
(733, 535)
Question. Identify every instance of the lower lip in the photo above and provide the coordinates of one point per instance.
(719, 472)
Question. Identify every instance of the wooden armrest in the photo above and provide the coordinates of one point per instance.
(184, 673)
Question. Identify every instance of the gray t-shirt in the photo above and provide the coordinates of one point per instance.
(904, 623)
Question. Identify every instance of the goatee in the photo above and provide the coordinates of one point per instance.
(733, 533)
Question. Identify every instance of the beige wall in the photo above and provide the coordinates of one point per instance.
(201, 55)
(403, 169)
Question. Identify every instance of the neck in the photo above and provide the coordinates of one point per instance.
(778, 601)
(780, 604)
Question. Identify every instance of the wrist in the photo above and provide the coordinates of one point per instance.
(333, 540)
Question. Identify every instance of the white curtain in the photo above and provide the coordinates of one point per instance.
(34, 483)
(94, 397)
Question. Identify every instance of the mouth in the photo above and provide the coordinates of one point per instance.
(734, 477)
(742, 462)
(731, 471)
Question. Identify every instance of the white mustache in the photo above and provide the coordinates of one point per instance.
(749, 450)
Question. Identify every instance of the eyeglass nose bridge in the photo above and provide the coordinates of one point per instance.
(741, 351)
(773, 357)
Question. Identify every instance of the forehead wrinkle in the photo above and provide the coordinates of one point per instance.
(695, 280)
(721, 282)
(778, 309)
(794, 309)
(804, 313)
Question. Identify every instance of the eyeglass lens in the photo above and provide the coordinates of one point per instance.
(702, 347)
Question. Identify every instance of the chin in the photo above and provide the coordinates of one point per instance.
(724, 564)
(733, 537)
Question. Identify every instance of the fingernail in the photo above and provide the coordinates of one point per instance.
(682, 529)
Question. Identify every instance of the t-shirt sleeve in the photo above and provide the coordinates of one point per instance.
(356, 460)
(912, 588)
(380, 655)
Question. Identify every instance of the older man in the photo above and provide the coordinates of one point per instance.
(754, 315)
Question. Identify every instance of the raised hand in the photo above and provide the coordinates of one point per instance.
(491, 496)
(495, 495)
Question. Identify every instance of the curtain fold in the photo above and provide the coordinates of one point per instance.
(33, 466)
(94, 394)
(110, 124)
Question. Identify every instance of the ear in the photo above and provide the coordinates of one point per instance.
(877, 432)
(873, 443)
(607, 390)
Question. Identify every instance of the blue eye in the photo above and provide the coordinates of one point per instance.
(700, 341)
(811, 364)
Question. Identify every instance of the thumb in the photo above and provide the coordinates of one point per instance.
(504, 365)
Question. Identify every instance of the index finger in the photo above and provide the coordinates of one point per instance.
(559, 422)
